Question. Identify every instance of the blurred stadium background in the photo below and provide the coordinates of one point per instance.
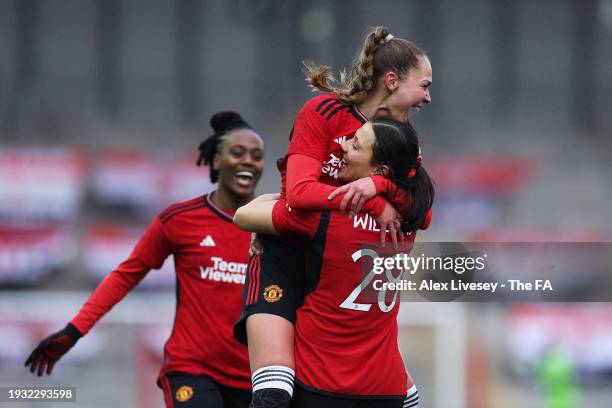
(104, 102)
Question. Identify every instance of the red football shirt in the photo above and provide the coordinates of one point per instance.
(321, 126)
(210, 258)
(346, 337)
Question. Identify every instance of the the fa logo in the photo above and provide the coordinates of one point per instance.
(208, 242)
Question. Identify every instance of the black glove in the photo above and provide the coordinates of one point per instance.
(52, 349)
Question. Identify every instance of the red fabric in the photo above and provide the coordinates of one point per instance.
(167, 389)
(353, 337)
(383, 184)
(210, 258)
(314, 154)
(321, 126)
(427, 220)
(110, 292)
(305, 192)
(304, 223)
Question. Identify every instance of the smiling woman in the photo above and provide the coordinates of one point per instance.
(210, 257)
(235, 156)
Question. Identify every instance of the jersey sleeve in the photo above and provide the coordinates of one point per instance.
(305, 192)
(150, 253)
(294, 222)
(109, 292)
(311, 134)
(154, 245)
(383, 185)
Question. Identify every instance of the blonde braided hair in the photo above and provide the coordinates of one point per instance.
(380, 53)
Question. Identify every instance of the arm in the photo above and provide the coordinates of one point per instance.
(109, 292)
(308, 149)
(305, 192)
(268, 215)
(256, 216)
(150, 252)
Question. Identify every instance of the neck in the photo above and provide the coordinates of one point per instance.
(229, 201)
(373, 103)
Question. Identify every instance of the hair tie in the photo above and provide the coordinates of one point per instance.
(414, 169)
(388, 38)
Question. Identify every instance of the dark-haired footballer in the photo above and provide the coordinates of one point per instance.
(346, 351)
(204, 366)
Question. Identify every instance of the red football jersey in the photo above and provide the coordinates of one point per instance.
(320, 128)
(346, 336)
(210, 258)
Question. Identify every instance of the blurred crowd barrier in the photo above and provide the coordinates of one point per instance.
(45, 195)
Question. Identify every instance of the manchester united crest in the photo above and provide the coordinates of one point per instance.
(184, 393)
(272, 293)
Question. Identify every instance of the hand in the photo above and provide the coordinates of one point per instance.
(357, 193)
(392, 220)
(52, 349)
(256, 248)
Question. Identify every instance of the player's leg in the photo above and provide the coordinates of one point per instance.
(273, 291)
(271, 356)
(190, 391)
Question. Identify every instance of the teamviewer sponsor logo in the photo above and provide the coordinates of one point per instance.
(331, 166)
(223, 271)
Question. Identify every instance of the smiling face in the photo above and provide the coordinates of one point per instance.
(409, 91)
(240, 162)
(357, 157)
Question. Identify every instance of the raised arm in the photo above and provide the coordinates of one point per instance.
(150, 252)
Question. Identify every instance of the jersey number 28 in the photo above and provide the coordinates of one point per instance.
(349, 302)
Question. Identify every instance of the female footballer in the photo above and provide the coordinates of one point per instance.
(346, 351)
(390, 76)
(204, 366)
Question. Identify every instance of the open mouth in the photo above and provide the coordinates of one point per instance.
(245, 178)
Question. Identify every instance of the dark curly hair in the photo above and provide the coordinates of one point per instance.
(222, 123)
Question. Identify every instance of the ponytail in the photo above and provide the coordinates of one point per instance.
(380, 53)
(397, 147)
(420, 191)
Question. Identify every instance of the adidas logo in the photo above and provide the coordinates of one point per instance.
(340, 140)
(208, 242)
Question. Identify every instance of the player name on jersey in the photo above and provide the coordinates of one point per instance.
(223, 271)
(365, 222)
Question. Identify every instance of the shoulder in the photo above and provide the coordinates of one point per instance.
(327, 108)
(182, 208)
(331, 109)
(322, 104)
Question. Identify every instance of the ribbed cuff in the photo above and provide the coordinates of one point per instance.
(72, 332)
